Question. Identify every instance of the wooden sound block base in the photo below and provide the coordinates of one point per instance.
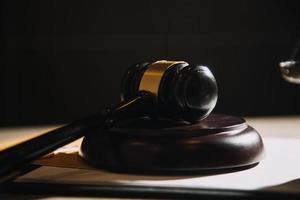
(137, 145)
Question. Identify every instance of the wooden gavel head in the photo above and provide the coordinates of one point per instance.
(180, 90)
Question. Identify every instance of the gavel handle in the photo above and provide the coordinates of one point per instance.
(14, 159)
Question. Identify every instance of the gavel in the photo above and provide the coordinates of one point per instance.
(162, 89)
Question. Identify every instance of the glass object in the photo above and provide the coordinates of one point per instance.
(290, 69)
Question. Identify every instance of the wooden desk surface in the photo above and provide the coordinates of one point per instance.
(280, 171)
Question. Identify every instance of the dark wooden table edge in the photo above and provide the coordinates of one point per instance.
(135, 191)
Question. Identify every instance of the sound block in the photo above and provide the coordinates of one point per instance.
(217, 142)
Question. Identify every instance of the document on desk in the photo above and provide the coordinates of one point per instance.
(279, 171)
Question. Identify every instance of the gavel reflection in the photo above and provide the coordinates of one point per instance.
(162, 89)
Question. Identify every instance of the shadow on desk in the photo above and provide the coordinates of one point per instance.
(289, 187)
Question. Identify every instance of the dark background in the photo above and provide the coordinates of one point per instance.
(62, 60)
